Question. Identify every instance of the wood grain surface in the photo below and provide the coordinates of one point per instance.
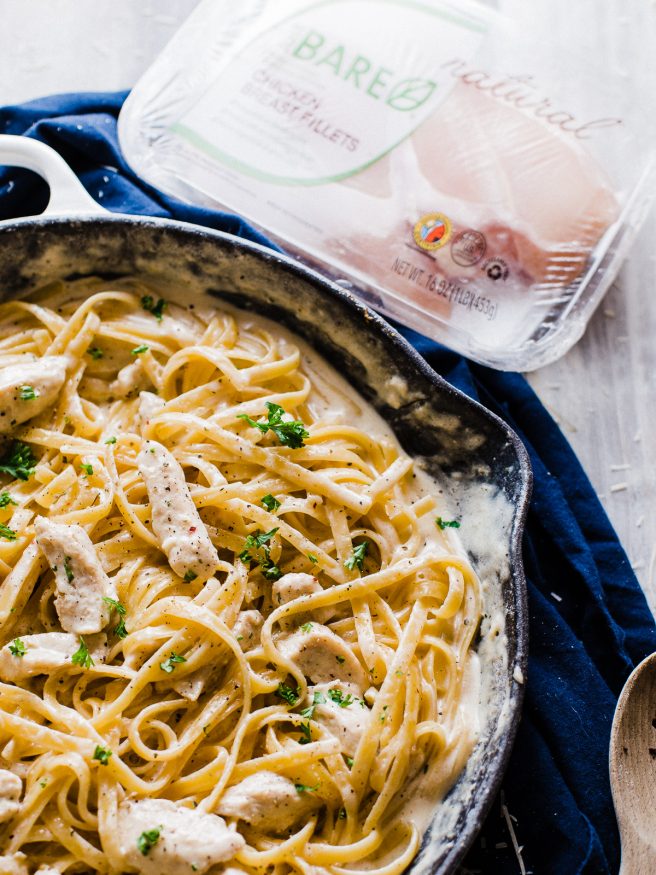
(603, 392)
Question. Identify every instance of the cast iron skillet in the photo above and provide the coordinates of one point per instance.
(469, 450)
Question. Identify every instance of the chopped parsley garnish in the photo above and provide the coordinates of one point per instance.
(341, 814)
(17, 648)
(317, 699)
(102, 754)
(119, 630)
(19, 461)
(306, 733)
(446, 524)
(7, 533)
(258, 543)
(169, 664)
(6, 499)
(95, 352)
(189, 576)
(306, 627)
(303, 788)
(82, 656)
(356, 559)
(338, 697)
(28, 393)
(313, 559)
(139, 350)
(67, 568)
(270, 503)
(148, 839)
(349, 762)
(88, 469)
(157, 309)
(111, 440)
(290, 433)
(341, 659)
(287, 694)
(43, 784)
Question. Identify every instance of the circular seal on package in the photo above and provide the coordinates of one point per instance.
(468, 247)
(432, 231)
(496, 269)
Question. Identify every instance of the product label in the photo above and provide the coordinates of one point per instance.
(331, 89)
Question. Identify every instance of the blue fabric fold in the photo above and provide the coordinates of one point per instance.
(589, 622)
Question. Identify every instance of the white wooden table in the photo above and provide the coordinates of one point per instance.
(603, 393)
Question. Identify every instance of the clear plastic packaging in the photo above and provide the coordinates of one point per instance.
(474, 185)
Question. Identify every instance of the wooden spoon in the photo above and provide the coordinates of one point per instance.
(632, 765)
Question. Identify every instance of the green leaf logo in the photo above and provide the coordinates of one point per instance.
(409, 94)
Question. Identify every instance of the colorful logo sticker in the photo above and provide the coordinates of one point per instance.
(432, 231)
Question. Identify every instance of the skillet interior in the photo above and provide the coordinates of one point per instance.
(480, 463)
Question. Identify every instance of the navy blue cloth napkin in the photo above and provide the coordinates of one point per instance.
(589, 623)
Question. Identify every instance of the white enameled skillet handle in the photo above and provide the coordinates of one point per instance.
(67, 194)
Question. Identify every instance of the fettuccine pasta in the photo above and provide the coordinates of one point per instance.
(235, 632)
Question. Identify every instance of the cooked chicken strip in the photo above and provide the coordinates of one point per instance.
(322, 656)
(149, 405)
(295, 586)
(11, 788)
(342, 712)
(247, 629)
(182, 840)
(45, 652)
(176, 522)
(268, 801)
(80, 579)
(28, 389)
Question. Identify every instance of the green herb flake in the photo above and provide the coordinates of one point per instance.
(341, 814)
(140, 350)
(313, 559)
(306, 627)
(6, 499)
(148, 839)
(156, 309)
(7, 533)
(356, 559)
(111, 440)
(303, 788)
(17, 648)
(43, 783)
(270, 503)
(287, 694)
(338, 697)
(19, 461)
(95, 352)
(306, 733)
(28, 393)
(341, 659)
(446, 524)
(290, 433)
(189, 576)
(258, 543)
(102, 754)
(67, 568)
(88, 469)
(119, 630)
(169, 664)
(82, 657)
(349, 762)
(317, 699)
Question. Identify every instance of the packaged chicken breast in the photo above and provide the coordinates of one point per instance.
(472, 184)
